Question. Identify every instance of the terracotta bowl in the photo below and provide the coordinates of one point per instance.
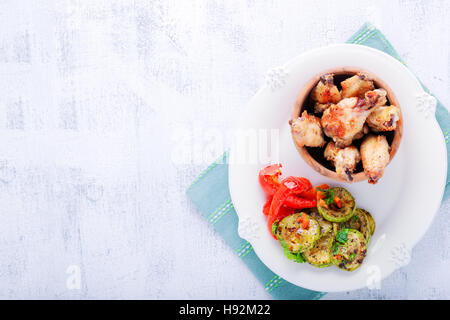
(314, 156)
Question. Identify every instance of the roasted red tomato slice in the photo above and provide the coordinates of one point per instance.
(266, 208)
(269, 178)
(298, 202)
(288, 187)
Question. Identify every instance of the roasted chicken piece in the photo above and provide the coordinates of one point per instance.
(365, 130)
(330, 151)
(321, 107)
(384, 118)
(375, 156)
(345, 120)
(325, 91)
(356, 86)
(307, 131)
(344, 160)
(376, 97)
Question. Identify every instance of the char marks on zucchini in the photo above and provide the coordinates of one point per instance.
(291, 234)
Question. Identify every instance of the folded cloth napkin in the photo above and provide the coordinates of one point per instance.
(211, 194)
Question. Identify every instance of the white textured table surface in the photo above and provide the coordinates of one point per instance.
(95, 99)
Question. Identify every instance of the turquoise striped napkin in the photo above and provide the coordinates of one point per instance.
(210, 193)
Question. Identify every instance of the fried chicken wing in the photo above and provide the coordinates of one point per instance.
(330, 151)
(375, 156)
(344, 160)
(376, 97)
(356, 86)
(384, 118)
(344, 121)
(321, 107)
(325, 91)
(307, 131)
(365, 130)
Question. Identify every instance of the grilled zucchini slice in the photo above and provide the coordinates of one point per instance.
(336, 227)
(360, 222)
(349, 249)
(371, 223)
(335, 214)
(293, 237)
(320, 255)
(325, 225)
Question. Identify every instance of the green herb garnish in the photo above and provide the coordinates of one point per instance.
(297, 257)
(329, 195)
(352, 256)
(355, 217)
(274, 227)
(342, 236)
(335, 249)
(283, 244)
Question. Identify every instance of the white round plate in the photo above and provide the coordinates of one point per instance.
(404, 201)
